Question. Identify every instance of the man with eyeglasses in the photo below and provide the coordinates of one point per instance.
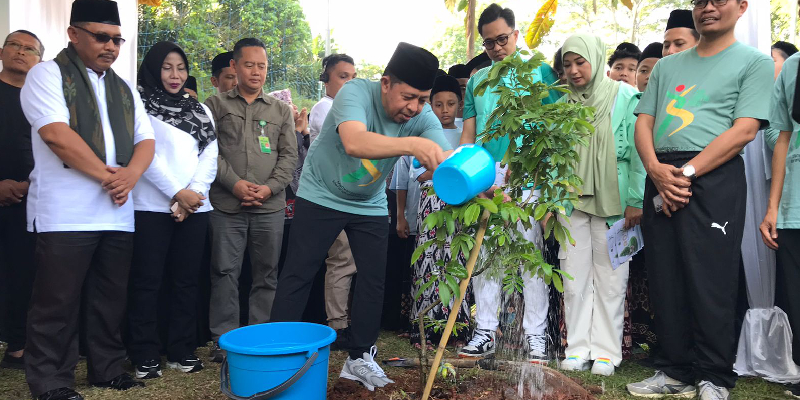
(91, 140)
(701, 107)
(496, 27)
(19, 53)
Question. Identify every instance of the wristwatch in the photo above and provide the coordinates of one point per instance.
(689, 171)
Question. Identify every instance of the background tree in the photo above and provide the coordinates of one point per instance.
(205, 28)
(470, 27)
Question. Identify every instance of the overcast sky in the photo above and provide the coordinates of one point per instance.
(369, 30)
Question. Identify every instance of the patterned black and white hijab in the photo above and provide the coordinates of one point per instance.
(179, 110)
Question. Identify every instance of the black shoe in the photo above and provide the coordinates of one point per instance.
(148, 370)
(187, 364)
(12, 362)
(60, 394)
(216, 354)
(342, 342)
(122, 382)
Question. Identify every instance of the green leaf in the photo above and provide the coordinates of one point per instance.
(424, 287)
(557, 283)
(444, 293)
(451, 225)
(419, 250)
(487, 204)
(540, 211)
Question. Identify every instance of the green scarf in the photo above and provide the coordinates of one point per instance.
(598, 161)
(84, 115)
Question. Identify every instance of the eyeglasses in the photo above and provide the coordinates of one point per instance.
(700, 4)
(25, 49)
(501, 40)
(102, 37)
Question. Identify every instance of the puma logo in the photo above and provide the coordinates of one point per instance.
(722, 228)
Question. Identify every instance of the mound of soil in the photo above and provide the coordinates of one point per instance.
(485, 385)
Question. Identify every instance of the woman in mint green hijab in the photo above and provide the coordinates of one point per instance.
(613, 188)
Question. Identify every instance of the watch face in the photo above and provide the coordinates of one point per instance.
(688, 171)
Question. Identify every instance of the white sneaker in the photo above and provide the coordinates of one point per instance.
(574, 363)
(537, 349)
(366, 371)
(710, 391)
(481, 345)
(661, 385)
(603, 366)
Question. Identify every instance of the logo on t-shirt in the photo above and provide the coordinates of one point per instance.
(677, 102)
(367, 168)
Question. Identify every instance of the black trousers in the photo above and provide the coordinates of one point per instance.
(168, 253)
(77, 270)
(693, 269)
(17, 272)
(314, 229)
(787, 275)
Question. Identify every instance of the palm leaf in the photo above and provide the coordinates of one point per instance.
(541, 24)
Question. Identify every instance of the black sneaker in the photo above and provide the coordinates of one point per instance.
(12, 362)
(342, 342)
(148, 370)
(216, 354)
(60, 394)
(121, 382)
(187, 364)
(481, 345)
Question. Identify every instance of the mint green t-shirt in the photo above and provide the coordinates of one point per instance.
(481, 107)
(780, 118)
(333, 179)
(694, 99)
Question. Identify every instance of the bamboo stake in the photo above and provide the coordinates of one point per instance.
(451, 319)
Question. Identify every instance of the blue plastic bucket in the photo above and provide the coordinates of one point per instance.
(279, 360)
(466, 173)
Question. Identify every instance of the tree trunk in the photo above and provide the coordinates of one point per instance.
(470, 29)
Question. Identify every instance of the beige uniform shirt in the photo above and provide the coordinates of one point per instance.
(242, 155)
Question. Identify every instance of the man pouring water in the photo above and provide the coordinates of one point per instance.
(370, 125)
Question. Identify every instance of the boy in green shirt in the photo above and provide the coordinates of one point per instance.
(342, 187)
(701, 107)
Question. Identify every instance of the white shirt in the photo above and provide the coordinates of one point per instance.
(64, 199)
(317, 116)
(177, 164)
(460, 124)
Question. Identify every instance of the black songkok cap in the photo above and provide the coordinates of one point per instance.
(440, 72)
(459, 71)
(222, 60)
(477, 61)
(653, 50)
(102, 11)
(414, 65)
(446, 83)
(680, 19)
(191, 83)
(629, 47)
(785, 47)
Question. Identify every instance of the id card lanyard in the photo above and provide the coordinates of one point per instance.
(263, 140)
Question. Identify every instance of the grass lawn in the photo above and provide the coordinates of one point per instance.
(205, 384)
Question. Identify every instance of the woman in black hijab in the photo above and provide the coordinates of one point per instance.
(171, 215)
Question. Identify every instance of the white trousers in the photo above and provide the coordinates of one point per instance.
(594, 301)
(488, 292)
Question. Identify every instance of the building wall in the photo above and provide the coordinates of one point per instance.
(49, 20)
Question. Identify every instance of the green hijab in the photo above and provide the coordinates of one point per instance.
(598, 161)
